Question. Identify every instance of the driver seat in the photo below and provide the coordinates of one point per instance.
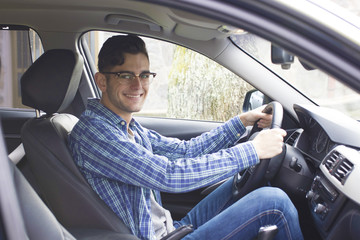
(50, 85)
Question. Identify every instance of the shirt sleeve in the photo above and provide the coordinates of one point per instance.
(224, 136)
(106, 152)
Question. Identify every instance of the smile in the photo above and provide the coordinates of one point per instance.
(133, 96)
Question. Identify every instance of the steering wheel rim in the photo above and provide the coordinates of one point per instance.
(252, 177)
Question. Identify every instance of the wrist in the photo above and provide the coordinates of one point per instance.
(243, 120)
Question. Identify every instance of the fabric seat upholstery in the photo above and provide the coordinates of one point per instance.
(49, 85)
(25, 216)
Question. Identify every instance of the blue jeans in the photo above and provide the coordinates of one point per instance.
(219, 216)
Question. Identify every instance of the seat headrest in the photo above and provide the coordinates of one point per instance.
(51, 82)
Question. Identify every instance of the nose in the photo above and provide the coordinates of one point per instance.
(136, 83)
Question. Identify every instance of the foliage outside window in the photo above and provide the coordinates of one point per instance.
(199, 88)
(188, 85)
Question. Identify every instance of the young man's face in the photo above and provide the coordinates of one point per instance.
(125, 97)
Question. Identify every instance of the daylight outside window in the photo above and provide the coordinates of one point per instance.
(19, 47)
(188, 85)
(318, 86)
(321, 88)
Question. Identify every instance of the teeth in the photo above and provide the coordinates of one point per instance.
(133, 96)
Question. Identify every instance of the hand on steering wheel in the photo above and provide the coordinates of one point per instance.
(254, 176)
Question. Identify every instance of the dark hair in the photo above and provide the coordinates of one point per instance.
(112, 51)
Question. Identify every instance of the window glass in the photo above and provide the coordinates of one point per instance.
(317, 85)
(188, 85)
(322, 88)
(19, 46)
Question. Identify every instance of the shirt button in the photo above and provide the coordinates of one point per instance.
(123, 123)
(238, 135)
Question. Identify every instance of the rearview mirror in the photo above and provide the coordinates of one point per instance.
(281, 56)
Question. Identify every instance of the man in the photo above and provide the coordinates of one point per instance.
(128, 165)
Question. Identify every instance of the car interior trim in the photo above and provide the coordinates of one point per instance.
(352, 177)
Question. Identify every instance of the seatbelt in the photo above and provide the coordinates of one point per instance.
(18, 153)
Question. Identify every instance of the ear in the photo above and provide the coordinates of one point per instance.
(101, 82)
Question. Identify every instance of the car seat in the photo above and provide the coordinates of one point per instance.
(23, 215)
(50, 85)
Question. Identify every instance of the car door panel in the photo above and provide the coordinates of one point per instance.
(178, 128)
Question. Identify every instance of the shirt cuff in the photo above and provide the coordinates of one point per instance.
(246, 155)
(234, 129)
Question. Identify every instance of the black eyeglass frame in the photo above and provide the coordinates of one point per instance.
(130, 73)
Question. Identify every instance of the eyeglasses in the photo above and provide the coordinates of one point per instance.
(128, 77)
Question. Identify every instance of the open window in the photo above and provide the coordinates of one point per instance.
(188, 85)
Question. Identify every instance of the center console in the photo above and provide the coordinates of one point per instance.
(325, 202)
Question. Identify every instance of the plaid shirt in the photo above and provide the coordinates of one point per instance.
(123, 173)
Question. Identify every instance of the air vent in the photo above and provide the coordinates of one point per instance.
(343, 170)
(338, 166)
(292, 139)
(331, 161)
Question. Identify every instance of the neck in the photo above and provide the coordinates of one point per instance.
(124, 115)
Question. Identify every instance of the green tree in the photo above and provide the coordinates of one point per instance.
(199, 88)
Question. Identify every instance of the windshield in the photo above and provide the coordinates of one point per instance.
(321, 88)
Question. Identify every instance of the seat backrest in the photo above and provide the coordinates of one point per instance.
(23, 215)
(50, 85)
(22, 212)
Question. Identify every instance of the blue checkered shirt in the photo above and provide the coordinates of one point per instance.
(123, 173)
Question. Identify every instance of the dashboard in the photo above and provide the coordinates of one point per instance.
(326, 149)
(317, 144)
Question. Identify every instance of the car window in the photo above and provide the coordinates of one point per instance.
(320, 87)
(19, 47)
(188, 85)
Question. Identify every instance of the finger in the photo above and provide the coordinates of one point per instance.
(280, 131)
(260, 109)
(262, 124)
(265, 122)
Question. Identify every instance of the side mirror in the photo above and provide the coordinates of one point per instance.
(253, 99)
(281, 56)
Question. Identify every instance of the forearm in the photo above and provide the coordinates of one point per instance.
(208, 169)
(142, 168)
(224, 136)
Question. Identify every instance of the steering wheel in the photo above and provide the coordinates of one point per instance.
(254, 176)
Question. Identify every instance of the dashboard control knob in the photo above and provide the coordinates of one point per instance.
(316, 197)
(319, 208)
(310, 194)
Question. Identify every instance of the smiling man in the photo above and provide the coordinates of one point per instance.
(128, 93)
(128, 165)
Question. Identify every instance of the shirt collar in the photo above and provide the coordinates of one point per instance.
(95, 106)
